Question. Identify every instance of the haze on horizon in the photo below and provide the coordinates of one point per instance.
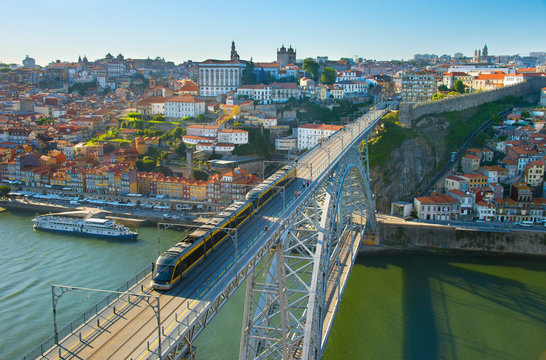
(180, 30)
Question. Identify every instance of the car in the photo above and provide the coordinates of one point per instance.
(525, 223)
(408, 218)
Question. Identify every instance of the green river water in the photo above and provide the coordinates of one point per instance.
(394, 307)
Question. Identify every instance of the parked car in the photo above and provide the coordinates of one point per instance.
(408, 218)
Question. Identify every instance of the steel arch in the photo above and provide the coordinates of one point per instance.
(292, 297)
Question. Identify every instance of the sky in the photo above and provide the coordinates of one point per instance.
(181, 30)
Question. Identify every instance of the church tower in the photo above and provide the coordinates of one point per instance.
(152, 82)
(234, 55)
(485, 52)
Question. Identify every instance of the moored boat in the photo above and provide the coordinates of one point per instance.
(89, 227)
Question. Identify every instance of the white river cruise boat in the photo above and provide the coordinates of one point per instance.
(91, 227)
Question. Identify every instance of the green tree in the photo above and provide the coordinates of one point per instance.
(200, 117)
(146, 164)
(328, 76)
(181, 149)
(312, 67)
(525, 115)
(4, 191)
(249, 77)
(443, 88)
(459, 87)
(200, 175)
(159, 117)
(134, 115)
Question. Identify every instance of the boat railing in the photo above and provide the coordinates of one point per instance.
(89, 317)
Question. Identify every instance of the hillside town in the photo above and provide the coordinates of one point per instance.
(200, 131)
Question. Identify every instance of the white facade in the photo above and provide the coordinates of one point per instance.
(261, 93)
(234, 136)
(217, 77)
(310, 135)
(183, 106)
(203, 130)
(353, 87)
(513, 79)
(286, 144)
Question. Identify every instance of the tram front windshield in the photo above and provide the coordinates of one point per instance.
(163, 272)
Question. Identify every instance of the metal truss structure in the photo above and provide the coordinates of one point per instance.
(293, 295)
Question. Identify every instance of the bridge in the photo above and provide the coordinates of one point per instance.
(295, 254)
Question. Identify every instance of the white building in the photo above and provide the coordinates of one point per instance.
(286, 143)
(353, 86)
(310, 135)
(183, 106)
(203, 130)
(233, 136)
(513, 79)
(260, 92)
(281, 92)
(217, 77)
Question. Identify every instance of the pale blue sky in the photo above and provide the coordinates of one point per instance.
(183, 29)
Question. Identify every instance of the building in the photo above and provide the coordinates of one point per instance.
(217, 77)
(203, 130)
(533, 174)
(233, 136)
(285, 57)
(470, 163)
(29, 62)
(455, 183)
(151, 106)
(418, 86)
(260, 93)
(310, 135)
(543, 97)
(289, 143)
(464, 198)
(183, 106)
(281, 92)
(437, 207)
(475, 180)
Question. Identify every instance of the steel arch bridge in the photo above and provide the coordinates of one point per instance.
(292, 297)
(296, 270)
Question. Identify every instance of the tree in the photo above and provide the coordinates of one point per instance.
(146, 164)
(200, 175)
(328, 76)
(4, 191)
(181, 149)
(134, 115)
(443, 88)
(312, 67)
(200, 117)
(525, 115)
(159, 117)
(459, 87)
(249, 77)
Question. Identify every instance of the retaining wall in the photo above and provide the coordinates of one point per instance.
(421, 236)
(410, 111)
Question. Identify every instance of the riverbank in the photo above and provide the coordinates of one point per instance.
(128, 218)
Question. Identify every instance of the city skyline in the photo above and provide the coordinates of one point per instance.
(60, 29)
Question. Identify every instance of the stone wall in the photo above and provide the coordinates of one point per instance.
(410, 112)
(421, 236)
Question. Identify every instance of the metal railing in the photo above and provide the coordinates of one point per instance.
(85, 318)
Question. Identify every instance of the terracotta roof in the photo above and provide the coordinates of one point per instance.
(184, 99)
(437, 199)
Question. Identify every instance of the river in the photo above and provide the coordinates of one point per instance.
(395, 307)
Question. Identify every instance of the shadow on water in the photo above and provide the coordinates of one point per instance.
(421, 333)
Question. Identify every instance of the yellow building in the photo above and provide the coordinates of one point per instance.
(230, 110)
(58, 178)
(198, 190)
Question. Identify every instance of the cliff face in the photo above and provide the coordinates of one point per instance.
(407, 166)
(410, 164)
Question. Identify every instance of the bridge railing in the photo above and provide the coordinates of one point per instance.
(87, 318)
